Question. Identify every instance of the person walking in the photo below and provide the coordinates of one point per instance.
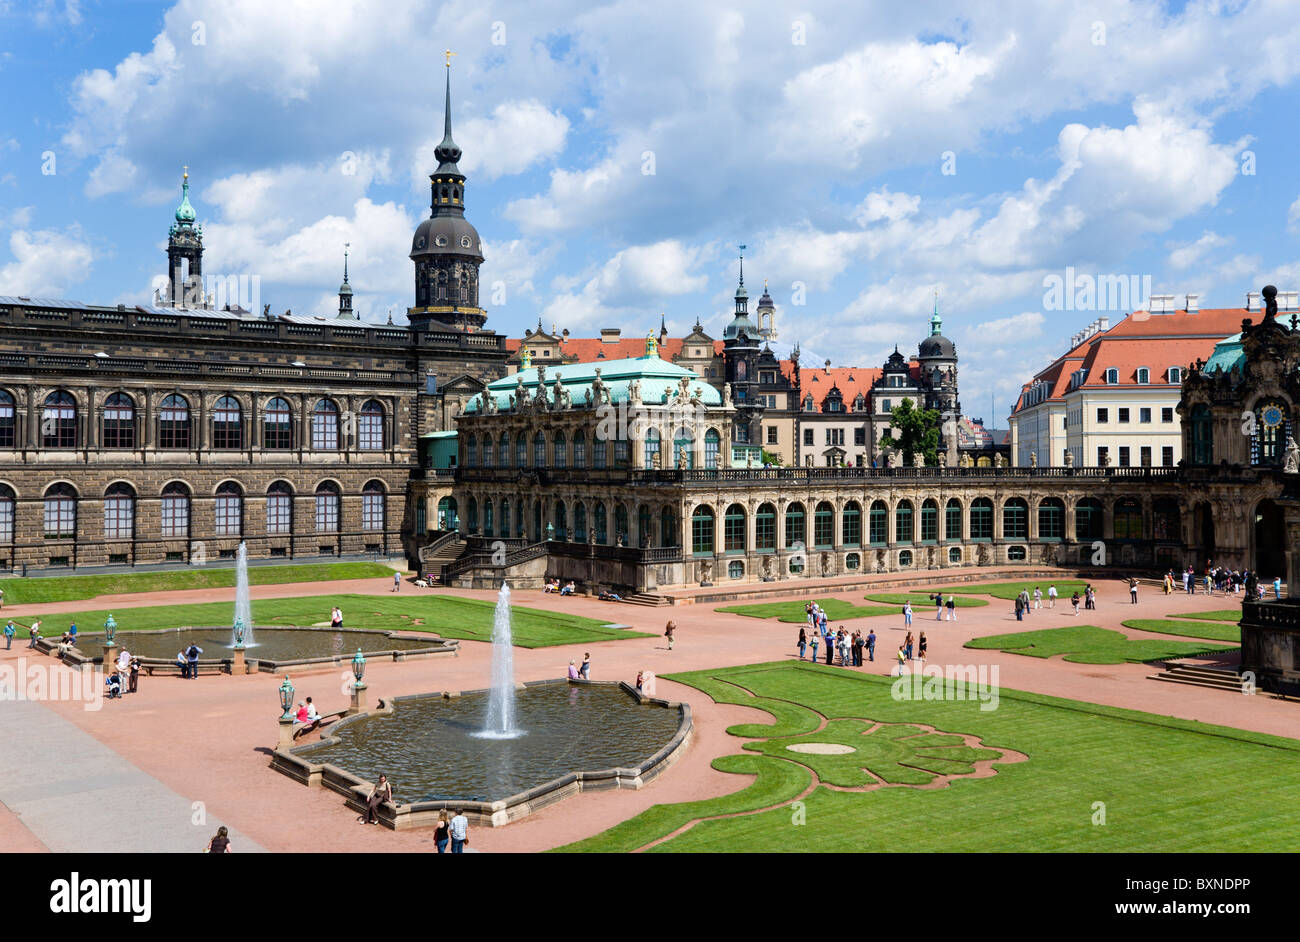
(830, 648)
(803, 643)
(1038, 597)
(1020, 610)
(952, 608)
(907, 643)
(442, 833)
(871, 644)
(1051, 596)
(814, 640)
(134, 675)
(585, 671)
(921, 647)
(1075, 600)
(35, 632)
(1187, 580)
(669, 631)
(902, 660)
(1133, 589)
(938, 606)
(459, 832)
(220, 843)
(9, 634)
(397, 582)
(907, 614)
(381, 792)
(1277, 588)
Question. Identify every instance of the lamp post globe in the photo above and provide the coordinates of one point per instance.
(359, 667)
(110, 630)
(239, 632)
(286, 698)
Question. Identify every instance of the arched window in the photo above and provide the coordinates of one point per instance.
(1111, 376)
(622, 453)
(1175, 374)
(226, 416)
(119, 421)
(521, 451)
(796, 533)
(1166, 520)
(447, 514)
(8, 422)
(503, 460)
(1143, 376)
(229, 510)
(471, 451)
(702, 531)
(1051, 519)
(370, 426)
(602, 533)
(733, 529)
(712, 445)
(599, 452)
(851, 524)
(537, 521)
(620, 524)
(174, 423)
(539, 450)
(878, 523)
(1015, 519)
(327, 507)
(472, 512)
(952, 527)
(488, 456)
(119, 512)
(1272, 431)
(59, 421)
(176, 510)
(279, 508)
(683, 448)
(954, 554)
(981, 519)
(277, 425)
(1088, 519)
(579, 450)
(643, 534)
(1017, 554)
(1128, 519)
(487, 518)
(560, 451)
(903, 522)
(7, 497)
(325, 426)
(667, 527)
(580, 522)
(929, 521)
(60, 512)
(373, 501)
(652, 458)
(765, 528)
(561, 521)
(823, 525)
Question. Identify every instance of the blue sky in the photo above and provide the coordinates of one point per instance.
(868, 154)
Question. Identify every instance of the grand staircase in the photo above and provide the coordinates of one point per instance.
(647, 598)
(1196, 675)
(442, 550)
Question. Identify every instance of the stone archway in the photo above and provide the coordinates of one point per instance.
(1269, 557)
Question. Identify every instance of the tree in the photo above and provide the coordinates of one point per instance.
(771, 458)
(913, 430)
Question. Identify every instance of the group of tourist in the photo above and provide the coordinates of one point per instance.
(125, 671)
(852, 648)
(583, 672)
(452, 830)
(940, 606)
(1221, 579)
(553, 587)
(1027, 603)
(306, 712)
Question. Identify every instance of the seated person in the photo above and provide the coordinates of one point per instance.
(114, 685)
(568, 589)
(64, 646)
(610, 597)
(573, 671)
(312, 715)
(302, 713)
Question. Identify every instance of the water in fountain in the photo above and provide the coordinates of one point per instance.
(243, 607)
(501, 698)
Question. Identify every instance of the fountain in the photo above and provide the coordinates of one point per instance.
(501, 697)
(243, 607)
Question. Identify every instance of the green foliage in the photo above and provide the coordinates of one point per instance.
(772, 458)
(922, 600)
(1088, 644)
(793, 612)
(1009, 590)
(913, 430)
(1188, 629)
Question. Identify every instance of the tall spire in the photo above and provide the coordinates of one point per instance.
(345, 289)
(346, 246)
(936, 322)
(447, 152)
(185, 212)
(742, 296)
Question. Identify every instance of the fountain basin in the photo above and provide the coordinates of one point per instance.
(277, 648)
(578, 736)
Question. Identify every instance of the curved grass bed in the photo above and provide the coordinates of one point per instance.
(922, 600)
(1227, 614)
(1088, 644)
(1154, 774)
(1009, 590)
(447, 616)
(793, 612)
(75, 588)
(1187, 629)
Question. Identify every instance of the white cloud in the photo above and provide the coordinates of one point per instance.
(1293, 216)
(46, 262)
(885, 205)
(1194, 253)
(517, 135)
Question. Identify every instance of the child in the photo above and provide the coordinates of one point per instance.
(1075, 600)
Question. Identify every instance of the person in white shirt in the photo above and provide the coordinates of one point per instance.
(1051, 596)
(459, 832)
(312, 715)
(1038, 597)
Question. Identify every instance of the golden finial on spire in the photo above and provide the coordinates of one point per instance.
(185, 172)
(449, 54)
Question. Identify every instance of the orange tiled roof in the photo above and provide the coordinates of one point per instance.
(851, 380)
(591, 349)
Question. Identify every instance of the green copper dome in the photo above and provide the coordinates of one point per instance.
(185, 212)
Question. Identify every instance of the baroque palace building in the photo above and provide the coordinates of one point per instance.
(169, 433)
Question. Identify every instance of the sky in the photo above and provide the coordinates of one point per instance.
(868, 154)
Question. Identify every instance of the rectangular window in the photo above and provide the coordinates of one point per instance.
(327, 513)
(229, 515)
(702, 535)
(279, 513)
(1103, 455)
(1103, 415)
(580, 452)
(808, 437)
(771, 435)
(929, 524)
(1167, 456)
(622, 452)
(372, 511)
(60, 517)
(7, 420)
(370, 431)
(1123, 415)
(176, 516)
(325, 431)
(599, 453)
(1144, 455)
(6, 521)
(859, 436)
(1123, 456)
(1167, 414)
(119, 427)
(119, 517)
(1144, 415)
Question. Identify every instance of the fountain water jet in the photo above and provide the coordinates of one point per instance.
(501, 699)
(243, 606)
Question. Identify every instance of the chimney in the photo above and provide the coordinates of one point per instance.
(1103, 324)
(609, 334)
(1162, 303)
(1252, 300)
(1287, 300)
(1193, 303)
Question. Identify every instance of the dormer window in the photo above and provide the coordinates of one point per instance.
(1175, 374)
(1143, 376)
(1112, 376)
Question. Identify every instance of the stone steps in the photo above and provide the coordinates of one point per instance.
(1216, 678)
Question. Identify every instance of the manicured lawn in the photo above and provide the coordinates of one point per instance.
(793, 612)
(445, 615)
(1150, 775)
(1009, 590)
(922, 600)
(1087, 644)
(72, 588)
(1188, 629)
(1224, 614)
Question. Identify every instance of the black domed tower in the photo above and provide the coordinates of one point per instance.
(446, 248)
(938, 361)
(740, 350)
